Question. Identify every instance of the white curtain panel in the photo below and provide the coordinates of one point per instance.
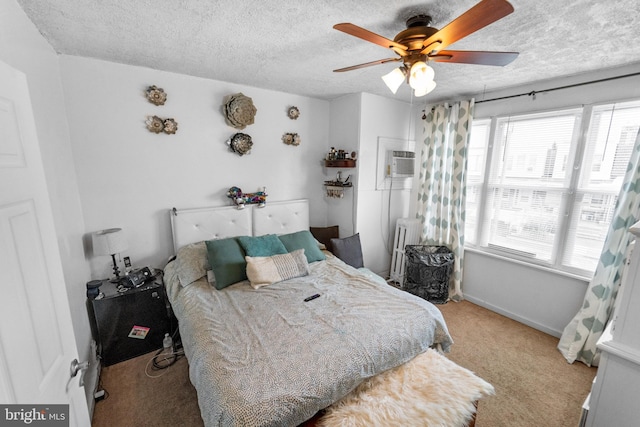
(443, 170)
(579, 338)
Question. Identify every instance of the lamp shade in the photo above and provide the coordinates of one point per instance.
(109, 242)
(425, 90)
(420, 75)
(394, 79)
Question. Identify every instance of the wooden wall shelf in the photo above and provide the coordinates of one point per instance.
(342, 163)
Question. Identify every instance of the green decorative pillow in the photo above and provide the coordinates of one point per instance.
(266, 245)
(263, 271)
(226, 259)
(303, 240)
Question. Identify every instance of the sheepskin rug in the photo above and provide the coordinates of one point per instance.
(428, 391)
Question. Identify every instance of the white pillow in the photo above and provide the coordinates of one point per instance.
(263, 271)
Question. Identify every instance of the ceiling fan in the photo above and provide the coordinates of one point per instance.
(420, 43)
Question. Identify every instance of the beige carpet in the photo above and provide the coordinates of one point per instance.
(534, 385)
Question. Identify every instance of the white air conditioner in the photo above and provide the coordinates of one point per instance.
(401, 164)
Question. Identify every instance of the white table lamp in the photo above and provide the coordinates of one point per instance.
(110, 242)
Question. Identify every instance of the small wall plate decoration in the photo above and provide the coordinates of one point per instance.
(240, 143)
(293, 112)
(157, 124)
(239, 111)
(170, 126)
(291, 139)
(156, 95)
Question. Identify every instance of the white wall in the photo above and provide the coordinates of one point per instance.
(537, 297)
(22, 47)
(379, 209)
(129, 177)
(344, 133)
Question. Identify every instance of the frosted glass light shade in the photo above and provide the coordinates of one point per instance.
(394, 79)
(425, 90)
(420, 75)
(108, 242)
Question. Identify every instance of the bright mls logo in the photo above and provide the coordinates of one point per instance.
(37, 415)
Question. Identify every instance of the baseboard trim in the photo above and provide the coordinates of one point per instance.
(511, 315)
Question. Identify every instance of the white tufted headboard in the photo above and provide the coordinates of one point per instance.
(195, 225)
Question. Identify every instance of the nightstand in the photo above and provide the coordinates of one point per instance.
(129, 323)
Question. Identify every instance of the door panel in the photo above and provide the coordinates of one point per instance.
(37, 343)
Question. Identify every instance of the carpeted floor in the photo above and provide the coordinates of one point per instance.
(534, 385)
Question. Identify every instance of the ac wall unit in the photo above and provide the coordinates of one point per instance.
(401, 164)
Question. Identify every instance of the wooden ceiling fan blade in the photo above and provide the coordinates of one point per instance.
(479, 16)
(369, 36)
(367, 64)
(475, 57)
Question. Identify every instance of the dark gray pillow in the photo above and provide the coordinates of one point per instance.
(349, 250)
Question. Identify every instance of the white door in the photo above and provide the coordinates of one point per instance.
(37, 342)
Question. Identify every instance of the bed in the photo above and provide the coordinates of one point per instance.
(267, 355)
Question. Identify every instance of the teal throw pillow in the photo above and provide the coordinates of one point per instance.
(266, 245)
(226, 258)
(303, 240)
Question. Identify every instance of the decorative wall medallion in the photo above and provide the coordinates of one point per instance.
(170, 126)
(238, 110)
(293, 113)
(291, 139)
(156, 95)
(240, 143)
(155, 124)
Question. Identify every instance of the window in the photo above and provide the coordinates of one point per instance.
(542, 187)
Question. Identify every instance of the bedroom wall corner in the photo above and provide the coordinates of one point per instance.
(23, 47)
(378, 210)
(130, 177)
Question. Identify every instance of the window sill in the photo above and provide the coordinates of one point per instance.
(576, 276)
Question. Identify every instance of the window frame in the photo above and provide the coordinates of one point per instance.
(569, 194)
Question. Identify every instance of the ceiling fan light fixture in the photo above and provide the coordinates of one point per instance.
(425, 90)
(420, 75)
(394, 79)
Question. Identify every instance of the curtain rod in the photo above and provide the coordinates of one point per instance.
(534, 92)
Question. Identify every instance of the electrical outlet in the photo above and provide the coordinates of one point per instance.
(127, 262)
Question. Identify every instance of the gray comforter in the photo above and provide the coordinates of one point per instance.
(267, 358)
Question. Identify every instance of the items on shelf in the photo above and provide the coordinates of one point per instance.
(335, 189)
(334, 154)
(240, 199)
(340, 159)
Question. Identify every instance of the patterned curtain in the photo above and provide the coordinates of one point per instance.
(579, 338)
(443, 170)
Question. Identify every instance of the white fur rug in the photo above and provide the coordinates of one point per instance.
(428, 391)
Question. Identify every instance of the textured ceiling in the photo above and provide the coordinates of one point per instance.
(291, 46)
